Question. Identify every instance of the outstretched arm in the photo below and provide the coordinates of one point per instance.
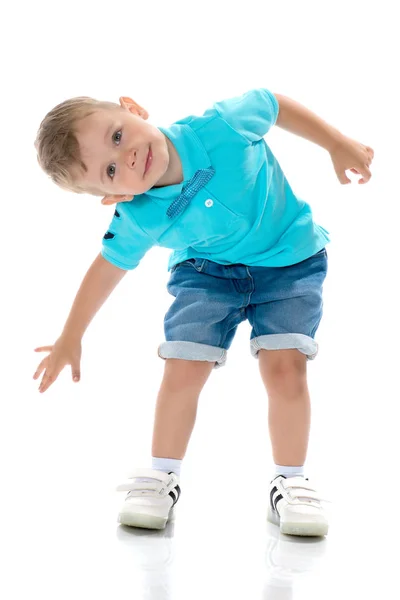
(345, 152)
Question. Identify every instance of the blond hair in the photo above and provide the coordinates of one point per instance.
(57, 146)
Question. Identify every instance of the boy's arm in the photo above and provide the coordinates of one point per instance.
(345, 152)
(297, 119)
(100, 280)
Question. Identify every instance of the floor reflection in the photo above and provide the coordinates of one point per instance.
(287, 559)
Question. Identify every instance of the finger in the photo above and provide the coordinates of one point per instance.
(370, 151)
(40, 368)
(44, 349)
(76, 374)
(46, 382)
(343, 177)
(366, 175)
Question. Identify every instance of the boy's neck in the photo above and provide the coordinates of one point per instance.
(174, 173)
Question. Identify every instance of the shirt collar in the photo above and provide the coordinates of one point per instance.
(192, 153)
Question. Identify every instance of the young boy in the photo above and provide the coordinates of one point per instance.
(244, 246)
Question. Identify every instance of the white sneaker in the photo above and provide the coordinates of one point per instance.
(151, 497)
(295, 506)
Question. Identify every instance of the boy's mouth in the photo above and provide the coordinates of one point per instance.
(149, 160)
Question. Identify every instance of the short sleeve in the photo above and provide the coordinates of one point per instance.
(252, 114)
(125, 243)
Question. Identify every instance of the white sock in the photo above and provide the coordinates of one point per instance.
(164, 464)
(289, 471)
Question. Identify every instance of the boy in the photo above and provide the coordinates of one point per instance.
(209, 188)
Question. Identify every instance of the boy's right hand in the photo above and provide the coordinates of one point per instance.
(66, 351)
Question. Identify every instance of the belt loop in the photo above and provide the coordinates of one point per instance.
(202, 265)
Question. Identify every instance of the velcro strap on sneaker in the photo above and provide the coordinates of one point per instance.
(297, 482)
(157, 481)
(305, 494)
(150, 474)
(301, 489)
(137, 486)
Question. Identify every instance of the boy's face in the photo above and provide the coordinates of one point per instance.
(115, 147)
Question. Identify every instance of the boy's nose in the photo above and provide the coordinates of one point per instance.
(131, 157)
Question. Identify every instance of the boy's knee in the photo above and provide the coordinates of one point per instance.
(182, 374)
(283, 362)
(284, 370)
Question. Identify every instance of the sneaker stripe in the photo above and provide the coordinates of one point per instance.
(275, 499)
(279, 497)
(275, 495)
(273, 491)
(176, 490)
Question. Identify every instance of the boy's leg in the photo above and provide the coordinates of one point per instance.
(176, 406)
(284, 373)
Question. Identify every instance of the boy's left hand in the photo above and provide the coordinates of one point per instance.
(349, 154)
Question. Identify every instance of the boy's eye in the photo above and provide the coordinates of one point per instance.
(117, 136)
(111, 170)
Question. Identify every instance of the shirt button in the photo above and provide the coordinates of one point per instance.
(209, 203)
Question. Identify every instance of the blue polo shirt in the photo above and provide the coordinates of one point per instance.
(247, 213)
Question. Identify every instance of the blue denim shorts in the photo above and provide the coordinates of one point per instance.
(282, 304)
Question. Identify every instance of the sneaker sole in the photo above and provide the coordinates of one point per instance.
(301, 529)
(146, 521)
(143, 521)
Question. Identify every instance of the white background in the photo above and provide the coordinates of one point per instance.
(63, 452)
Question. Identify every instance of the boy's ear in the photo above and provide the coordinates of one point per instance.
(109, 200)
(133, 107)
